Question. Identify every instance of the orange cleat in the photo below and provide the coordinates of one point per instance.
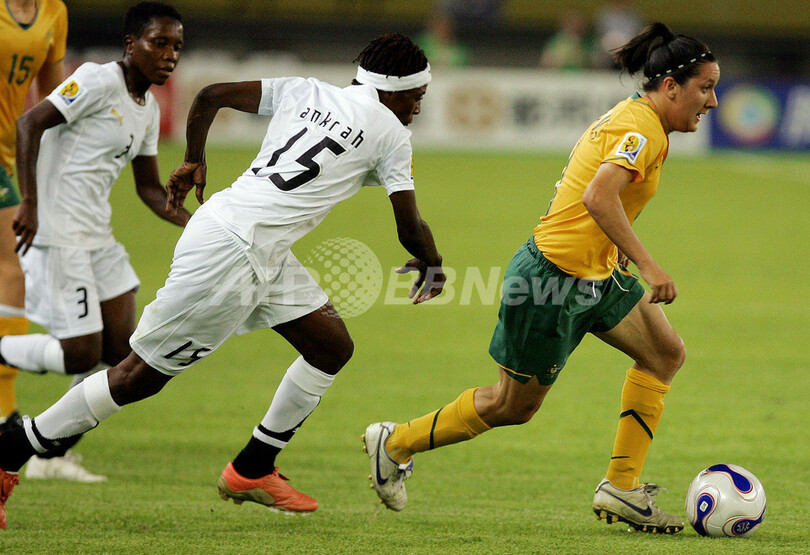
(7, 483)
(271, 490)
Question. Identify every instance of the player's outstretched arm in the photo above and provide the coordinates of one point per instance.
(415, 235)
(30, 127)
(149, 187)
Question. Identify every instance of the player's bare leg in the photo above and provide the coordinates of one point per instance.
(647, 337)
(134, 380)
(391, 446)
(325, 345)
(321, 337)
(509, 402)
(119, 315)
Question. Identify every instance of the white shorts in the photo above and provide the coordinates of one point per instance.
(212, 293)
(64, 287)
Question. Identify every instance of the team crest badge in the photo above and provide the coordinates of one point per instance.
(631, 146)
(70, 92)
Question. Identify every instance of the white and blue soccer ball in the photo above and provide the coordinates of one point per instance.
(725, 500)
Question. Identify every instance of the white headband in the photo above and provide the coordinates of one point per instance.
(692, 61)
(392, 83)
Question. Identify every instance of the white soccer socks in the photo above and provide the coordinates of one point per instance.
(79, 410)
(297, 395)
(35, 352)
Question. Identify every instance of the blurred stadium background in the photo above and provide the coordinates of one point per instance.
(489, 89)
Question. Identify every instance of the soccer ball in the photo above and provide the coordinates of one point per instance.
(725, 500)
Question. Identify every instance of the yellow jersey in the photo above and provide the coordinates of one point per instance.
(23, 50)
(630, 135)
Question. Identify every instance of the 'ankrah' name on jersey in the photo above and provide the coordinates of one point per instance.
(328, 122)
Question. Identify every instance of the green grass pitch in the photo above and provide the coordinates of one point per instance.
(731, 229)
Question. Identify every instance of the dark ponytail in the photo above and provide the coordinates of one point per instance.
(658, 53)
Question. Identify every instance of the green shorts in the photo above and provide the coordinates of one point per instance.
(8, 193)
(545, 313)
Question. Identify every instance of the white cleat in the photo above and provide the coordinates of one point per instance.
(636, 507)
(387, 476)
(61, 468)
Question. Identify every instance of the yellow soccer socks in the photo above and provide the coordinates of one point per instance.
(452, 423)
(10, 325)
(642, 406)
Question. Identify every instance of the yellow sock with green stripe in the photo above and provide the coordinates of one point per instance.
(642, 406)
(10, 325)
(452, 423)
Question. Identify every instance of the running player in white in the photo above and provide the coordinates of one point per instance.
(71, 148)
(233, 271)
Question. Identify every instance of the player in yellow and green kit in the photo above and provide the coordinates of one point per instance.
(32, 44)
(570, 279)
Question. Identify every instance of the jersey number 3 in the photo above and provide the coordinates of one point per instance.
(306, 159)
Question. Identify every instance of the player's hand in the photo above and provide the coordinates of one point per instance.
(25, 225)
(430, 280)
(662, 287)
(188, 176)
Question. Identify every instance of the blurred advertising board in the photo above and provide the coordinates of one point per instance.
(526, 110)
(762, 115)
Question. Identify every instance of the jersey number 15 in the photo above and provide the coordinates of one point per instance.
(306, 159)
(22, 71)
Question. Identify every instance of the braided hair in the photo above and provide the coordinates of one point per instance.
(659, 53)
(392, 54)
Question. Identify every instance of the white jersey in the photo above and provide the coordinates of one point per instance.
(322, 145)
(80, 160)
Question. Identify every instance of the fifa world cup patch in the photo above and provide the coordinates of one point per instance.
(631, 146)
(70, 92)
